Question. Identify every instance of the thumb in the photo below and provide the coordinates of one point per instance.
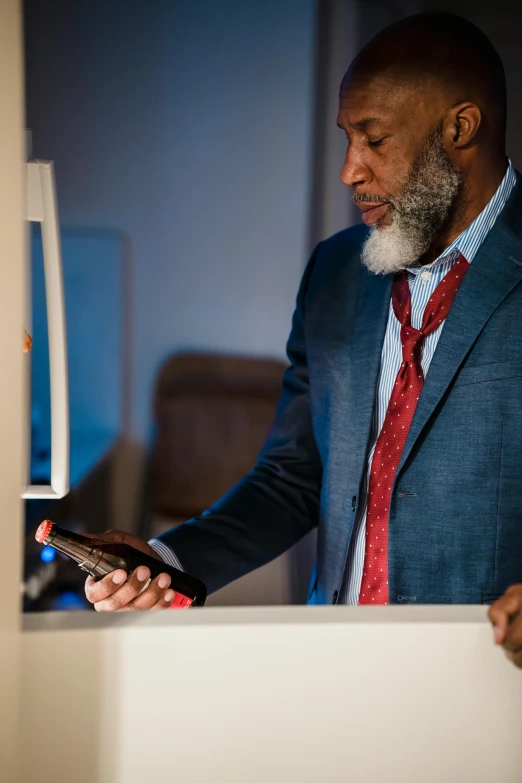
(501, 612)
(119, 536)
(500, 628)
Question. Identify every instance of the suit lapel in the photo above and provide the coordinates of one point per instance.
(493, 273)
(368, 337)
(350, 357)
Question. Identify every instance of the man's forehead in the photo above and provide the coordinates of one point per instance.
(364, 107)
(372, 101)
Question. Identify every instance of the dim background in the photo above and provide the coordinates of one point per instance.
(197, 164)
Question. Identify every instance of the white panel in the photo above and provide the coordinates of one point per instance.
(35, 210)
(42, 207)
(12, 273)
(398, 694)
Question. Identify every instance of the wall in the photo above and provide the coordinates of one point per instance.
(185, 126)
(12, 409)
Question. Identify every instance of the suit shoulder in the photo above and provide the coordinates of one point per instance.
(341, 250)
(348, 241)
(340, 254)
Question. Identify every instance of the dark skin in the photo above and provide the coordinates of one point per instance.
(386, 126)
(117, 592)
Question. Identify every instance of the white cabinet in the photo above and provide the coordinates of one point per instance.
(402, 694)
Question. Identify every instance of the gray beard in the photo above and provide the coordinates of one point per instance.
(417, 214)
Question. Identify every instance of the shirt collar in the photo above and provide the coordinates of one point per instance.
(474, 235)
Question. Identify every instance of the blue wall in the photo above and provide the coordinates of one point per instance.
(185, 127)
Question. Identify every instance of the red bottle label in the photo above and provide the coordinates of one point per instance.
(181, 602)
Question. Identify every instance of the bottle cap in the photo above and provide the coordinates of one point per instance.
(43, 531)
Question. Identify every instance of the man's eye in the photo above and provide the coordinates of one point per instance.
(377, 142)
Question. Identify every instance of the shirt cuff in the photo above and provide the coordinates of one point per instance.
(166, 553)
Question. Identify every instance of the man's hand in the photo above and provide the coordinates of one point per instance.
(506, 617)
(117, 592)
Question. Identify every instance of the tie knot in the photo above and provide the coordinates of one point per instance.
(412, 340)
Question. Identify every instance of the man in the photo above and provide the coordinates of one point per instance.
(398, 432)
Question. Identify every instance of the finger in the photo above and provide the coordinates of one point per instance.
(508, 604)
(500, 613)
(124, 595)
(166, 601)
(500, 621)
(120, 536)
(114, 535)
(156, 596)
(100, 590)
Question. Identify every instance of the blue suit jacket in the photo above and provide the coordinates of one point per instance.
(455, 527)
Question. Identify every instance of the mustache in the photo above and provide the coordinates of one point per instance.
(369, 198)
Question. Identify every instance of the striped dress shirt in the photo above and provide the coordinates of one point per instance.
(422, 281)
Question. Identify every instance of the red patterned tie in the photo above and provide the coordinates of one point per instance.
(401, 407)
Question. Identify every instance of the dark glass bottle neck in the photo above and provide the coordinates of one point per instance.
(74, 545)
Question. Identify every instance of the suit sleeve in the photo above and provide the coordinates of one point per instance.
(277, 503)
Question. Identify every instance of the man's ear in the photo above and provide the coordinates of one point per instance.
(462, 124)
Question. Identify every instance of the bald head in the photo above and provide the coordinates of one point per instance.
(440, 54)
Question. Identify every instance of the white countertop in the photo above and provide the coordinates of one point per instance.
(278, 615)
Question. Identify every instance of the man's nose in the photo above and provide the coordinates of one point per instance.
(354, 172)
